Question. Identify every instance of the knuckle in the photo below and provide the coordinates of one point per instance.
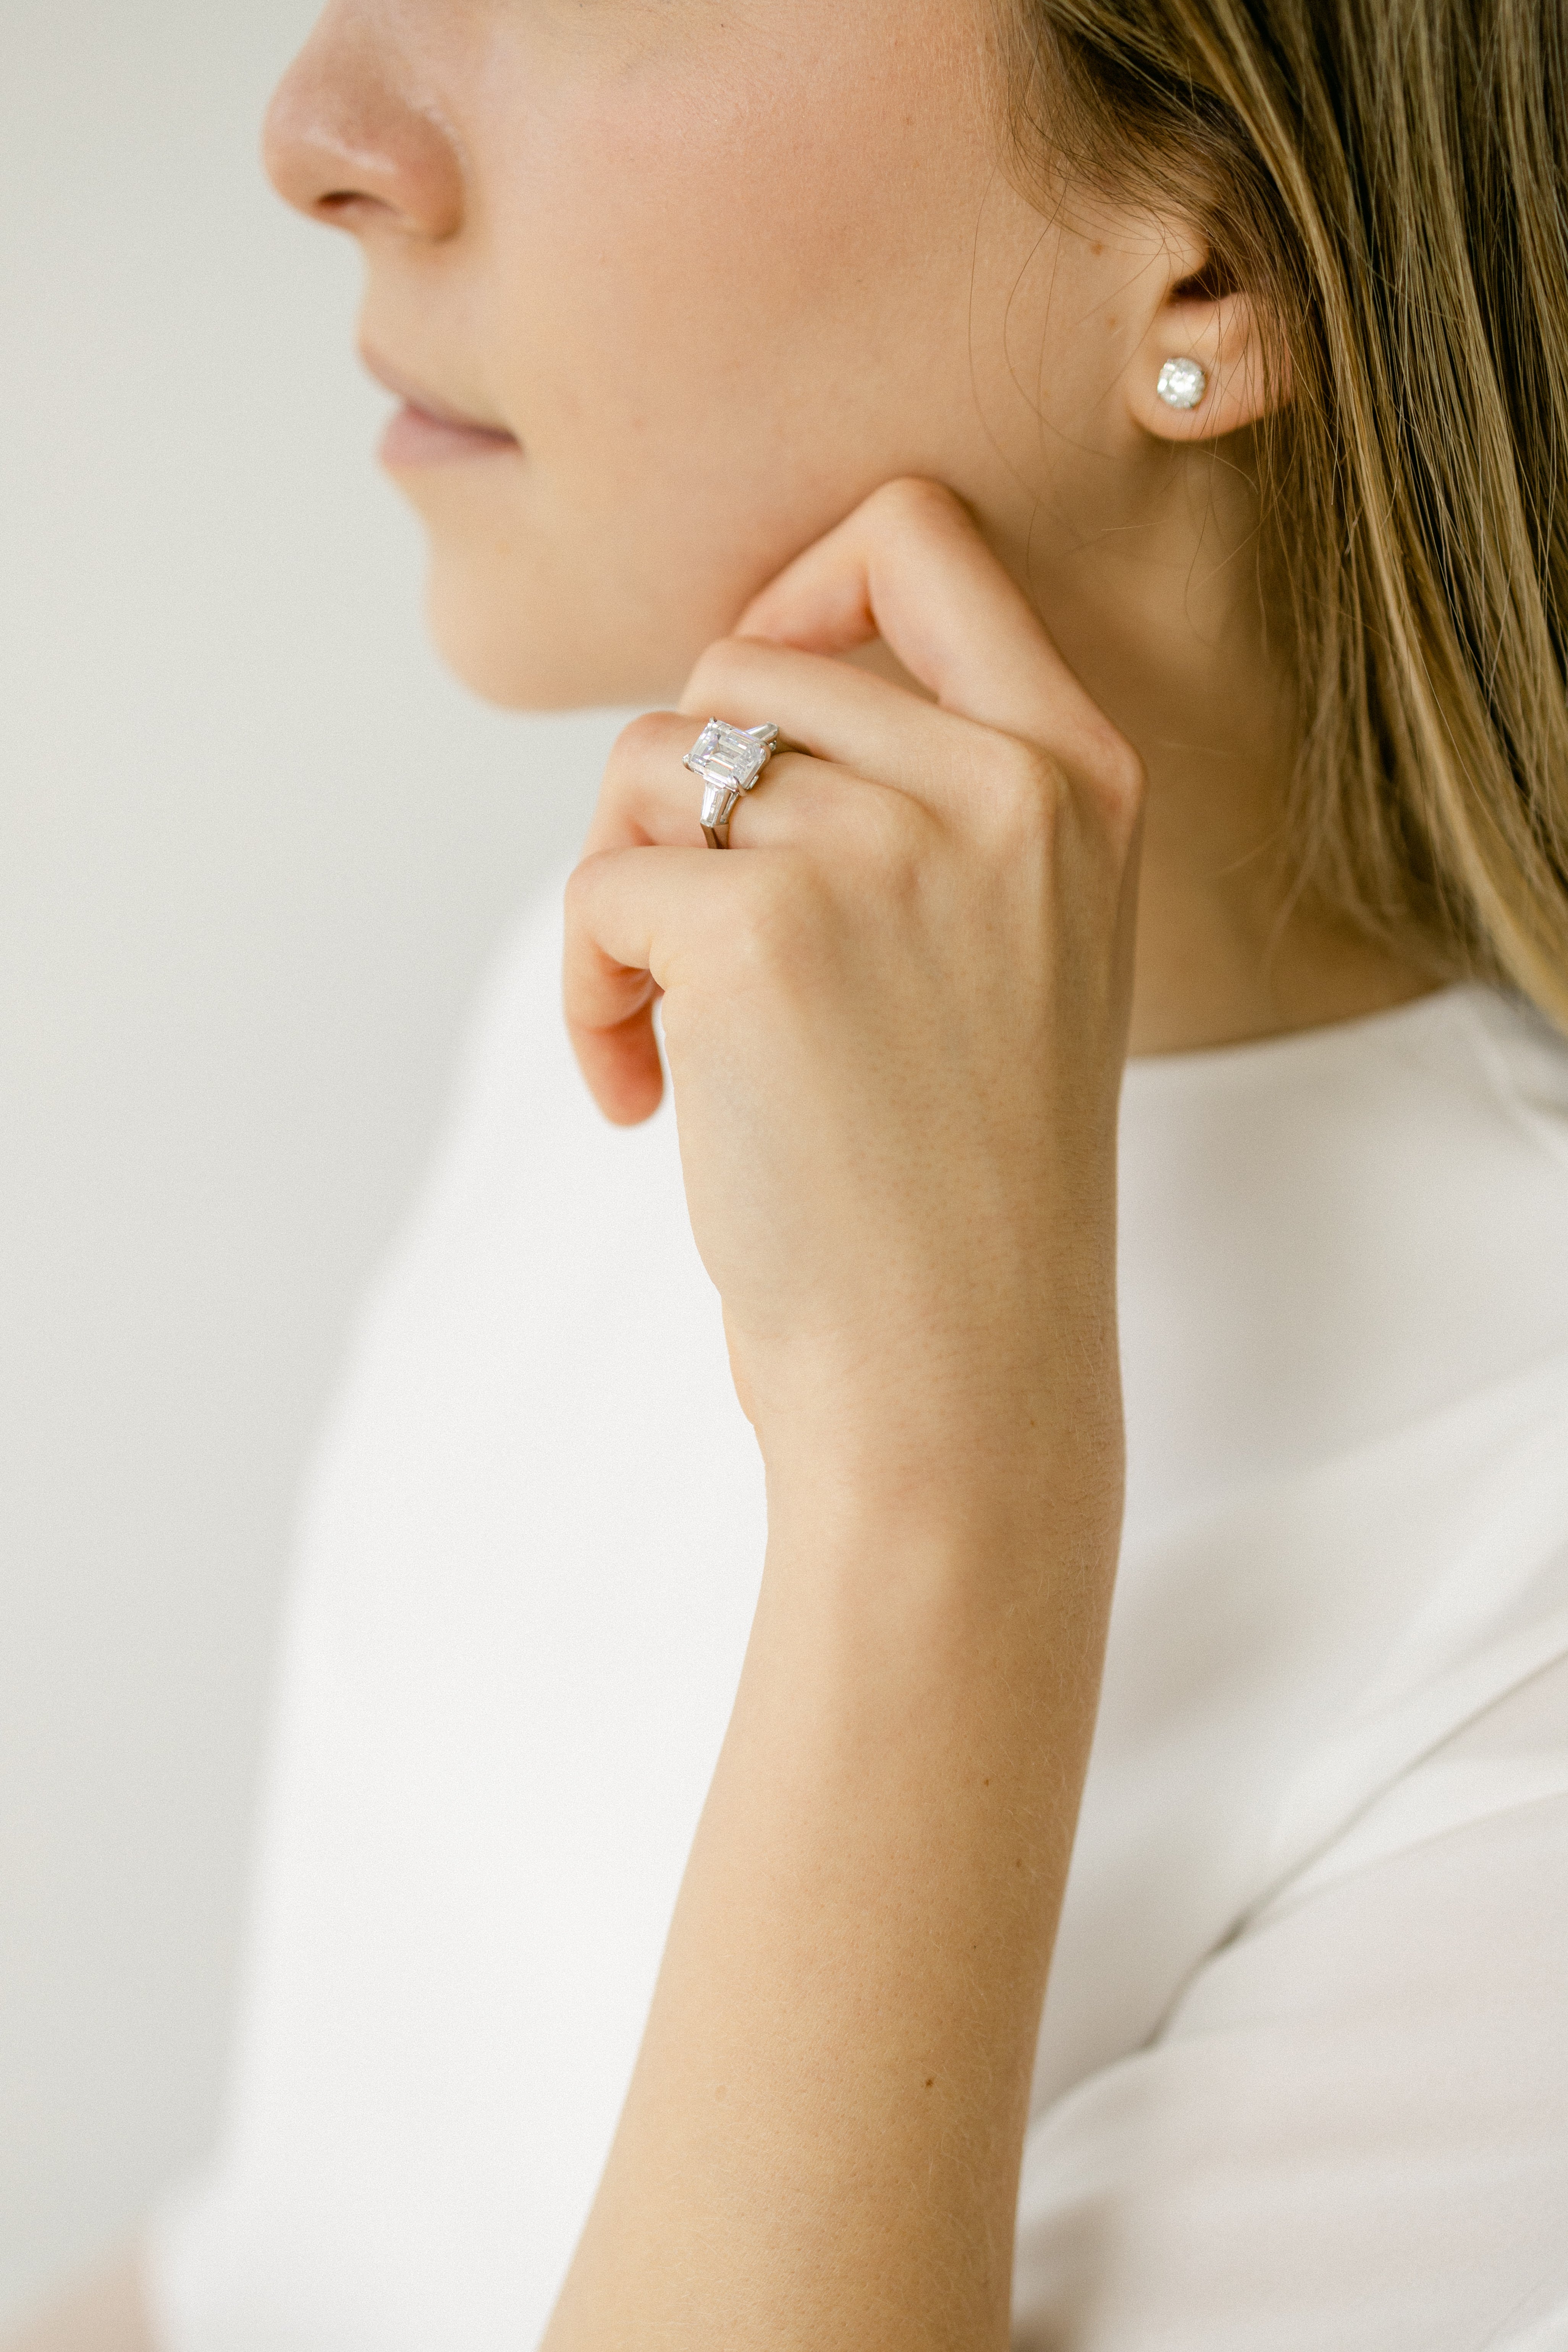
(1023, 795)
(638, 738)
(1031, 773)
(718, 670)
(1122, 781)
(914, 499)
(578, 897)
(1025, 790)
(1119, 771)
(894, 840)
(585, 883)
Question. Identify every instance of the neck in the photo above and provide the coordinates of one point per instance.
(1157, 609)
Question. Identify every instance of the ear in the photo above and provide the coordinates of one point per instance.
(1246, 371)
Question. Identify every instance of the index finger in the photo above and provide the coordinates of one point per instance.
(911, 567)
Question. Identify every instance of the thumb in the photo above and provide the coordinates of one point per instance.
(909, 566)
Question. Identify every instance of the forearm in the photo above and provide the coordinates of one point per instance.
(821, 2139)
(895, 1028)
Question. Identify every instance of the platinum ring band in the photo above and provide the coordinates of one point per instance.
(729, 761)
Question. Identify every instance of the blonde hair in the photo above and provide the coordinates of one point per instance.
(1390, 179)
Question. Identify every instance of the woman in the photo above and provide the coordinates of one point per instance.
(1116, 445)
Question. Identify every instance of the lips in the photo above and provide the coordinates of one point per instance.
(427, 430)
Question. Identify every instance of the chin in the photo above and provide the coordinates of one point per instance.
(515, 643)
(569, 612)
(566, 611)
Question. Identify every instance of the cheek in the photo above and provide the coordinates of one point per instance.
(702, 297)
(714, 330)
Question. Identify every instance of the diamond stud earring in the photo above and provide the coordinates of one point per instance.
(1181, 384)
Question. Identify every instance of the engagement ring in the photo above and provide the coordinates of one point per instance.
(729, 760)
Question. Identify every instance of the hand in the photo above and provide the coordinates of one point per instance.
(896, 1017)
(895, 1012)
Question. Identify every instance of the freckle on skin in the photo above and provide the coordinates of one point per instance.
(929, 2080)
(720, 2092)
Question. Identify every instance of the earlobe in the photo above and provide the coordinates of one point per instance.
(1207, 367)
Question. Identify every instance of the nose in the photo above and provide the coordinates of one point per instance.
(349, 139)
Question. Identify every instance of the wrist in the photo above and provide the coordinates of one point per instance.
(1019, 1490)
(934, 1429)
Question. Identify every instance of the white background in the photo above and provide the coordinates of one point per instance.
(254, 851)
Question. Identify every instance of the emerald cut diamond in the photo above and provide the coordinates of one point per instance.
(731, 758)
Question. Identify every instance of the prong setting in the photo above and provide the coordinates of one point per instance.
(729, 760)
(1181, 384)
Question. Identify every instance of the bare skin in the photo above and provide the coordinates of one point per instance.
(106, 2312)
(857, 1957)
(777, 364)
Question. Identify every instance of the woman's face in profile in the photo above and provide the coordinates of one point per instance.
(710, 270)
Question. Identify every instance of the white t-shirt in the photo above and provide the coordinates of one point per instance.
(1303, 2078)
